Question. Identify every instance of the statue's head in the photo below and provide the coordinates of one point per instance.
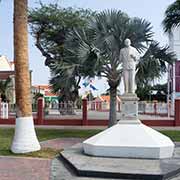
(127, 42)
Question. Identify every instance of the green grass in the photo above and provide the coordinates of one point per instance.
(6, 135)
(174, 135)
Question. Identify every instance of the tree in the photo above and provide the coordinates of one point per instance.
(5, 89)
(172, 16)
(152, 65)
(103, 40)
(108, 30)
(50, 25)
(152, 92)
(25, 139)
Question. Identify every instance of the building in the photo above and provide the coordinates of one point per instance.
(46, 91)
(174, 70)
(7, 70)
(102, 103)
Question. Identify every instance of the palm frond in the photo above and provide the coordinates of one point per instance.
(172, 16)
(153, 64)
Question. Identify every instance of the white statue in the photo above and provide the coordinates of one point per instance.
(129, 57)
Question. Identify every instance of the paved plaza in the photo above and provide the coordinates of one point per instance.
(25, 168)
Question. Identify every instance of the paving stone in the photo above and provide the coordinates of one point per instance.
(61, 143)
(12, 168)
(121, 167)
(60, 171)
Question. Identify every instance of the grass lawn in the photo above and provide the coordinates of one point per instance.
(6, 135)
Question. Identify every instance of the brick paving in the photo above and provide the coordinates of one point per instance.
(12, 168)
(22, 168)
(18, 168)
(61, 143)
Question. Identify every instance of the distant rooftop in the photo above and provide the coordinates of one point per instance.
(5, 64)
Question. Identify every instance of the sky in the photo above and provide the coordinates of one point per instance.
(153, 11)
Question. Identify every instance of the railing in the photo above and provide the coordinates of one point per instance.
(62, 108)
(153, 108)
(95, 118)
(101, 106)
(4, 110)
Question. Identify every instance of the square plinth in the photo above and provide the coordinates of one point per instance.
(129, 107)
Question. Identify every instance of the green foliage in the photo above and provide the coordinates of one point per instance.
(5, 89)
(37, 95)
(79, 102)
(101, 42)
(161, 88)
(153, 64)
(104, 38)
(172, 16)
(50, 26)
(146, 92)
(92, 48)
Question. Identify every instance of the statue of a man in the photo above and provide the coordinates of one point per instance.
(129, 57)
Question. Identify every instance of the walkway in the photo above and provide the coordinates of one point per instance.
(24, 168)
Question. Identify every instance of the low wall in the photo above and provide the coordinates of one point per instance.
(89, 122)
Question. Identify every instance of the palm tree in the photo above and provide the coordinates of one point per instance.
(107, 32)
(103, 40)
(153, 64)
(68, 71)
(25, 139)
(172, 16)
(5, 89)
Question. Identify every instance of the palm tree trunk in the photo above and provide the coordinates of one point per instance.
(112, 113)
(25, 139)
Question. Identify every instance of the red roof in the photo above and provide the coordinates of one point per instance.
(105, 98)
(47, 93)
(42, 86)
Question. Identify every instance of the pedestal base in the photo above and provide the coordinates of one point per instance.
(74, 164)
(131, 141)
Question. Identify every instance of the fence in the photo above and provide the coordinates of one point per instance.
(4, 112)
(101, 106)
(154, 108)
(56, 108)
(150, 108)
(51, 115)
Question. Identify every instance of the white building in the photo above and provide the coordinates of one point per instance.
(7, 70)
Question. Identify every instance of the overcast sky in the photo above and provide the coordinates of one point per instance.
(152, 11)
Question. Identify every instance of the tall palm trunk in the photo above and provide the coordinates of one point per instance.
(112, 113)
(25, 139)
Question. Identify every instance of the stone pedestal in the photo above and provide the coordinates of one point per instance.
(129, 138)
(129, 109)
(76, 163)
